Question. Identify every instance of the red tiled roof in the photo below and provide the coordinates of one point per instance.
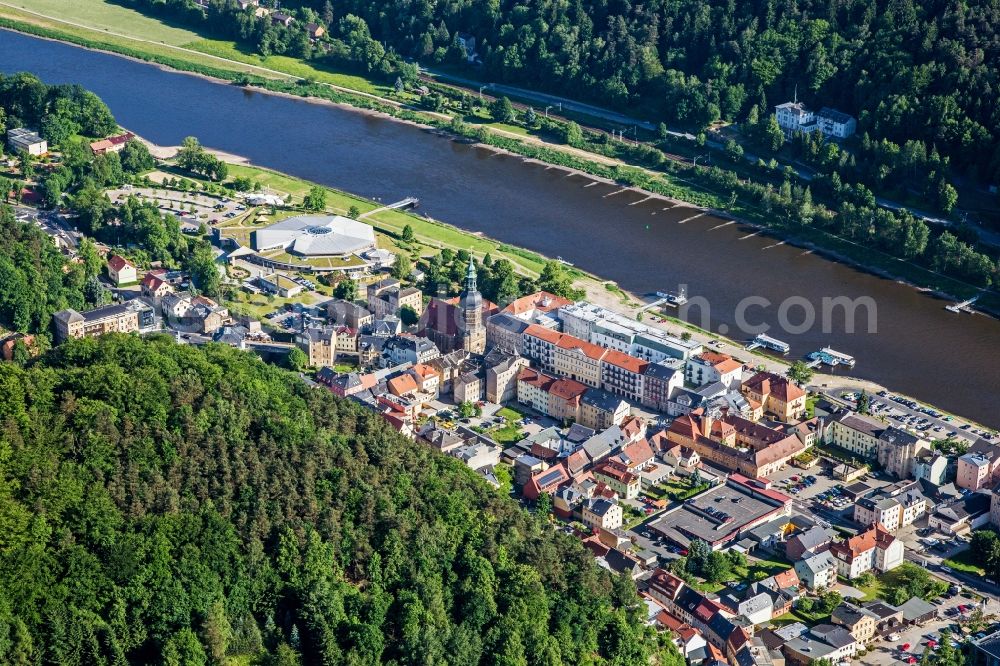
(617, 471)
(787, 578)
(117, 263)
(542, 301)
(424, 370)
(402, 384)
(625, 361)
(782, 388)
(862, 543)
(632, 426)
(639, 452)
(567, 389)
(543, 333)
(588, 349)
(536, 378)
(665, 583)
(546, 481)
(152, 282)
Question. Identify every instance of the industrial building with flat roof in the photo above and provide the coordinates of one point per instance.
(721, 514)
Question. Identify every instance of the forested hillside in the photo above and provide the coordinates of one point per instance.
(170, 505)
(928, 71)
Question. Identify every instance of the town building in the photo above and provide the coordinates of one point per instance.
(860, 621)
(898, 450)
(891, 512)
(346, 313)
(579, 360)
(121, 271)
(963, 514)
(809, 542)
(856, 433)
(154, 287)
(823, 641)
(315, 236)
(722, 522)
(601, 513)
(319, 344)
(278, 284)
(606, 328)
(502, 370)
(537, 308)
(735, 443)
(20, 139)
(874, 549)
(112, 144)
(777, 395)
(710, 367)
(387, 298)
(973, 471)
(129, 317)
(931, 467)
(505, 331)
(817, 572)
(601, 410)
(617, 477)
(660, 381)
(410, 350)
(622, 375)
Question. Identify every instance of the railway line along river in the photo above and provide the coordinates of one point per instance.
(645, 244)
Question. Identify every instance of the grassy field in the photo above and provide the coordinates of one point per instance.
(287, 65)
(510, 432)
(963, 562)
(106, 17)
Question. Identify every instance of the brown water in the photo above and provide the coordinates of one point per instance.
(917, 347)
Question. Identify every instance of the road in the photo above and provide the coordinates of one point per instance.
(545, 99)
(51, 223)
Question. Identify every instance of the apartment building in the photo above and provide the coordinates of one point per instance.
(856, 433)
(131, 316)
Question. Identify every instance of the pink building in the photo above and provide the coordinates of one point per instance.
(974, 471)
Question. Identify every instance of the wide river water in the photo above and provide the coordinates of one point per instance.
(917, 347)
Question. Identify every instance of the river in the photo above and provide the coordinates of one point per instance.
(952, 361)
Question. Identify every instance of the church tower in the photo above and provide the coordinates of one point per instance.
(471, 304)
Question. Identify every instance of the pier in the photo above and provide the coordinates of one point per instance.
(402, 204)
(963, 306)
(767, 342)
(667, 298)
(830, 357)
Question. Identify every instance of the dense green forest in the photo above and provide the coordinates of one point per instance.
(925, 71)
(165, 504)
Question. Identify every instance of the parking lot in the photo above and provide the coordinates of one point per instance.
(188, 207)
(915, 640)
(921, 420)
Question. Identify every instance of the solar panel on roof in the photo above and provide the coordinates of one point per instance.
(549, 477)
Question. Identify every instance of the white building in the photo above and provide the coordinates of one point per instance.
(875, 549)
(609, 329)
(892, 513)
(794, 117)
(19, 139)
(710, 367)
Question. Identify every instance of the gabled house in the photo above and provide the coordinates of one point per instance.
(873, 549)
(817, 572)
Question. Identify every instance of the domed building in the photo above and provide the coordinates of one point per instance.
(316, 236)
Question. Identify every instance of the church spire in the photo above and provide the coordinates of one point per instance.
(470, 277)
